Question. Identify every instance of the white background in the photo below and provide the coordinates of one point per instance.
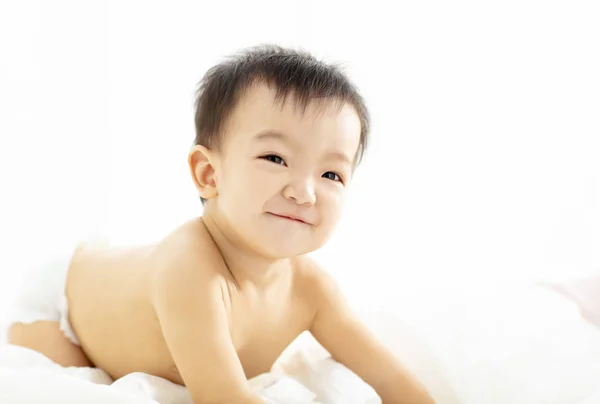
(483, 167)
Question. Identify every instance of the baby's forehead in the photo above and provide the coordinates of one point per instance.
(261, 108)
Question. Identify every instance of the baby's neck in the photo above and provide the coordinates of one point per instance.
(246, 266)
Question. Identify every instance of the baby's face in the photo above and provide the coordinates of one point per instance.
(283, 172)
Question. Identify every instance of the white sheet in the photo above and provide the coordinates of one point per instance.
(518, 345)
(27, 377)
(595, 399)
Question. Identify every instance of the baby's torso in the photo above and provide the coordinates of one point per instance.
(108, 292)
(111, 311)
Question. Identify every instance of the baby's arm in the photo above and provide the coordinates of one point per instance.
(190, 308)
(349, 342)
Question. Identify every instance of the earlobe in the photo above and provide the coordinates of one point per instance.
(201, 165)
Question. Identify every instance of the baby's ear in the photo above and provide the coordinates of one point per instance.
(201, 164)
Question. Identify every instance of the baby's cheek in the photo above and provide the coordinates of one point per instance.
(265, 185)
(334, 212)
(246, 182)
(332, 200)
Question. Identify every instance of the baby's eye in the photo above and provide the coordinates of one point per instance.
(332, 176)
(274, 158)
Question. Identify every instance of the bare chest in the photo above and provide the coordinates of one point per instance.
(261, 331)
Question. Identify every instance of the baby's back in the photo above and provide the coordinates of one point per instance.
(111, 312)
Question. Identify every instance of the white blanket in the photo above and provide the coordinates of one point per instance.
(517, 345)
(27, 377)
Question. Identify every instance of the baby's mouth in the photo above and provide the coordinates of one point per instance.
(292, 218)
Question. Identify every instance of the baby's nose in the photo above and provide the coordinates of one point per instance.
(302, 192)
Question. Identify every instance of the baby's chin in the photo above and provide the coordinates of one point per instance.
(283, 252)
(282, 247)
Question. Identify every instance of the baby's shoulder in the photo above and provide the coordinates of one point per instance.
(312, 279)
(187, 256)
(186, 276)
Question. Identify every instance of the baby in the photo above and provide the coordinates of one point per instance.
(216, 301)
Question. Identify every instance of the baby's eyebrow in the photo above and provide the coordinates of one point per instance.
(273, 134)
(339, 156)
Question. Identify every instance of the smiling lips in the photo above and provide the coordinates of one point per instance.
(293, 218)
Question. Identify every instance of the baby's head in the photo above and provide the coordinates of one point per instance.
(278, 134)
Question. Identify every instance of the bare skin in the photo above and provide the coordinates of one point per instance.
(112, 295)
